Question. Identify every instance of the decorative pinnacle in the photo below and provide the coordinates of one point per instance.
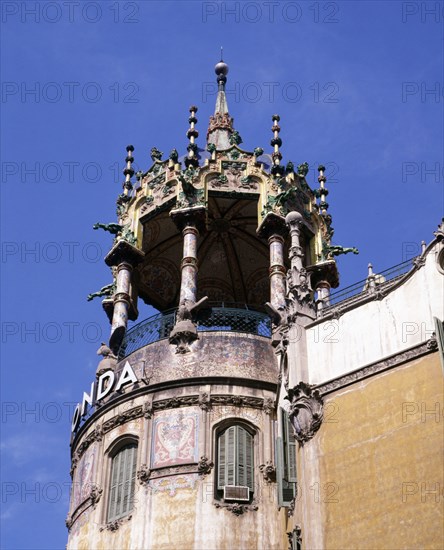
(370, 270)
(192, 134)
(276, 142)
(322, 191)
(128, 171)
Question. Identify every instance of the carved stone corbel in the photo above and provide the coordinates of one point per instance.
(268, 471)
(143, 475)
(95, 495)
(204, 401)
(306, 411)
(204, 466)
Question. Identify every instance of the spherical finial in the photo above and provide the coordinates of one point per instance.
(221, 68)
(293, 217)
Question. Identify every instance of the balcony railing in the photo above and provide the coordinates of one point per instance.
(386, 278)
(212, 319)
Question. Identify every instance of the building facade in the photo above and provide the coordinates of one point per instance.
(258, 409)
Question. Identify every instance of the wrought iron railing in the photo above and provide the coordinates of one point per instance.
(381, 279)
(211, 319)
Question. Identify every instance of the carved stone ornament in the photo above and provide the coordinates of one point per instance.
(269, 405)
(294, 536)
(95, 495)
(268, 471)
(143, 475)
(432, 343)
(236, 508)
(204, 466)
(291, 508)
(204, 401)
(114, 525)
(306, 411)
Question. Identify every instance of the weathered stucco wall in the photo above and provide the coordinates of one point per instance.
(377, 329)
(373, 475)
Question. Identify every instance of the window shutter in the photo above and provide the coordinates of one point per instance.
(290, 451)
(123, 478)
(249, 461)
(222, 460)
(235, 458)
(286, 488)
(230, 475)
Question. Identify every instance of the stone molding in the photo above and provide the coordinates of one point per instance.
(379, 366)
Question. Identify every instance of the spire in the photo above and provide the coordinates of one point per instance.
(221, 124)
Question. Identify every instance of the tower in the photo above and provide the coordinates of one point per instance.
(202, 427)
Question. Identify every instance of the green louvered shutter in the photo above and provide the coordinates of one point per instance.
(249, 461)
(290, 454)
(285, 468)
(123, 477)
(221, 460)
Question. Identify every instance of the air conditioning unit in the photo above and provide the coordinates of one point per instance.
(236, 492)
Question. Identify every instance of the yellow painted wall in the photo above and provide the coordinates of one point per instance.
(380, 450)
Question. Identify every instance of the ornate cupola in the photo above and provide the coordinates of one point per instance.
(233, 248)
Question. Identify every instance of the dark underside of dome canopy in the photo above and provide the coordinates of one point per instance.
(233, 261)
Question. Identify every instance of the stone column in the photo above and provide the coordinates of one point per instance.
(188, 286)
(124, 256)
(277, 271)
(185, 331)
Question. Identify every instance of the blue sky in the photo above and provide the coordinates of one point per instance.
(358, 86)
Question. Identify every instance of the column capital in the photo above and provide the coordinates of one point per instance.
(272, 224)
(193, 216)
(123, 251)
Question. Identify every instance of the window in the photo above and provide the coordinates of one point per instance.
(286, 461)
(123, 477)
(235, 463)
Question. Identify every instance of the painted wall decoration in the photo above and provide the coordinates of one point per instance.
(174, 438)
(83, 479)
(173, 484)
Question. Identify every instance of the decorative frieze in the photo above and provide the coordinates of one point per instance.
(148, 408)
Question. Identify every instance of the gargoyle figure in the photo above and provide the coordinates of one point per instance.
(107, 290)
(235, 138)
(112, 228)
(156, 154)
(338, 250)
(174, 156)
(289, 168)
(187, 187)
(303, 169)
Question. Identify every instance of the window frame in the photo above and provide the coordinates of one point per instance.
(219, 430)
